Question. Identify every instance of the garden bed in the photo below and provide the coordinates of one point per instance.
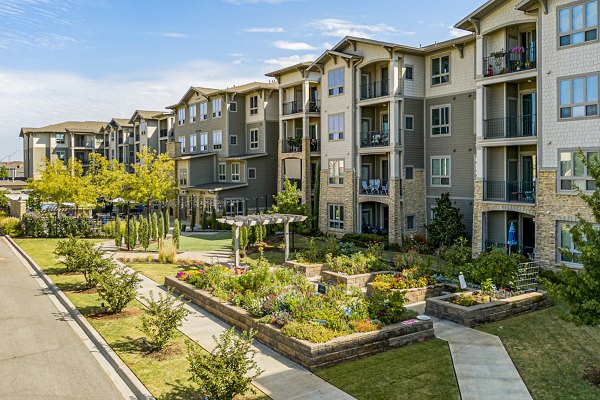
(496, 310)
(308, 270)
(416, 295)
(351, 281)
(309, 355)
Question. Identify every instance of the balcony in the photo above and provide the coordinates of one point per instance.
(292, 145)
(374, 187)
(375, 138)
(315, 145)
(506, 62)
(511, 249)
(313, 106)
(510, 127)
(292, 107)
(373, 90)
(509, 191)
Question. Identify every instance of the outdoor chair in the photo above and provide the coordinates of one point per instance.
(384, 188)
(376, 187)
(365, 187)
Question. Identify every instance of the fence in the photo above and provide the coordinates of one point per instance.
(64, 226)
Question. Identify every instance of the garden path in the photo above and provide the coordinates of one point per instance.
(281, 379)
(483, 368)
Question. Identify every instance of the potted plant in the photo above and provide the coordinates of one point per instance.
(518, 50)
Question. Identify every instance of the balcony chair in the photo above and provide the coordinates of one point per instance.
(366, 188)
(376, 186)
(384, 189)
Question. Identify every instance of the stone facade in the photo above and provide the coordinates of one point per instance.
(304, 156)
(417, 295)
(351, 281)
(308, 270)
(339, 194)
(413, 195)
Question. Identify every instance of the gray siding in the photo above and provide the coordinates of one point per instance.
(496, 226)
(201, 170)
(237, 126)
(495, 164)
(414, 140)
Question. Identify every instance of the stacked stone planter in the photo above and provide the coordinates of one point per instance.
(351, 281)
(441, 307)
(309, 355)
(416, 295)
(308, 270)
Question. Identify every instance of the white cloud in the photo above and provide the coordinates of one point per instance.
(341, 28)
(39, 98)
(453, 32)
(295, 46)
(173, 35)
(275, 29)
(290, 60)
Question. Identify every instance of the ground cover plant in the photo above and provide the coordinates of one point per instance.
(405, 279)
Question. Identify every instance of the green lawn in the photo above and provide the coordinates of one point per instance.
(157, 272)
(419, 371)
(550, 353)
(211, 241)
(165, 375)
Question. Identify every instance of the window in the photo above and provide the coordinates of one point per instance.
(235, 172)
(440, 70)
(193, 142)
(216, 108)
(203, 111)
(181, 116)
(440, 120)
(192, 112)
(60, 154)
(336, 172)
(573, 173)
(409, 122)
(411, 223)
(253, 138)
(336, 216)
(336, 127)
(335, 81)
(217, 139)
(233, 140)
(60, 138)
(253, 105)
(222, 173)
(566, 242)
(251, 173)
(409, 172)
(204, 142)
(408, 73)
(182, 143)
(183, 177)
(578, 23)
(233, 106)
(578, 97)
(440, 171)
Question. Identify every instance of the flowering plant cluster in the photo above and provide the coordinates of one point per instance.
(518, 49)
(405, 279)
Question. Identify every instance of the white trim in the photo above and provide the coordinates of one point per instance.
(449, 124)
(449, 175)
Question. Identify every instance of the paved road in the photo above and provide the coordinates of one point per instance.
(41, 356)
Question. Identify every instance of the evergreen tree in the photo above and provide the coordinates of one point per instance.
(118, 233)
(315, 210)
(161, 227)
(176, 232)
(446, 226)
(130, 234)
(213, 218)
(145, 233)
(193, 221)
(154, 227)
(167, 222)
(204, 221)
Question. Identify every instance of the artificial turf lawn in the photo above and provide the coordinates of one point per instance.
(165, 375)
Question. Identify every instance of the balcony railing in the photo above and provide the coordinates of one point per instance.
(292, 146)
(313, 105)
(511, 248)
(375, 138)
(510, 127)
(509, 191)
(504, 62)
(375, 186)
(292, 107)
(315, 145)
(372, 90)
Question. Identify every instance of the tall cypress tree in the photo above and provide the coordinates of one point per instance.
(446, 226)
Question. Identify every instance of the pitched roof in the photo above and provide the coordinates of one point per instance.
(145, 114)
(481, 11)
(121, 121)
(249, 87)
(299, 66)
(68, 126)
(191, 91)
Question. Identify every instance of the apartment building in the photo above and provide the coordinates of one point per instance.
(14, 168)
(537, 71)
(225, 148)
(63, 141)
(116, 139)
(151, 129)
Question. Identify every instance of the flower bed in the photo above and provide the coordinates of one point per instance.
(310, 355)
(482, 312)
(351, 281)
(307, 269)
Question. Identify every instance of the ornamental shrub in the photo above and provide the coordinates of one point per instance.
(154, 227)
(167, 222)
(130, 234)
(363, 239)
(78, 255)
(11, 226)
(500, 267)
(161, 319)
(161, 227)
(34, 225)
(458, 258)
(117, 288)
(176, 233)
(387, 307)
(446, 226)
(118, 233)
(311, 331)
(145, 234)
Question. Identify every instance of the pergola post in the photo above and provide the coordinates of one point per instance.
(286, 233)
(236, 244)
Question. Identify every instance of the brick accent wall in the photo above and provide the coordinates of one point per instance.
(343, 195)
(414, 202)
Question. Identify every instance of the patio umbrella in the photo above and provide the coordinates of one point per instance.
(512, 236)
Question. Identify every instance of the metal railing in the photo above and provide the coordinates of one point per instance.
(291, 146)
(292, 107)
(315, 145)
(313, 105)
(374, 186)
(375, 138)
(509, 191)
(511, 248)
(504, 62)
(510, 127)
(375, 89)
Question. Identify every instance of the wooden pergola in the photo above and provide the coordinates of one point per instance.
(238, 221)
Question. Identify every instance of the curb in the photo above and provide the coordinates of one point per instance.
(128, 377)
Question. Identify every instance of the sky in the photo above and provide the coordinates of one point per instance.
(97, 60)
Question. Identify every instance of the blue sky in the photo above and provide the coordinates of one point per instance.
(94, 60)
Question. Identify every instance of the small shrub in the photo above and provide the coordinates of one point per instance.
(363, 239)
(78, 255)
(347, 249)
(366, 325)
(228, 370)
(332, 246)
(167, 252)
(117, 288)
(34, 225)
(387, 307)
(458, 258)
(161, 319)
(501, 268)
(417, 243)
(468, 300)
(176, 232)
(11, 226)
(311, 331)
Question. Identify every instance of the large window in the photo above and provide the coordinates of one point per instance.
(573, 173)
(181, 116)
(192, 111)
(336, 172)
(253, 138)
(336, 216)
(336, 127)
(253, 105)
(235, 172)
(203, 111)
(570, 253)
(204, 142)
(578, 23)
(60, 138)
(60, 154)
(217, 140)
(193, 143)
(222, 173)
(440, 171)
(216, 108)
(440, 70)
(440, 120)
(183, 177)
(578, 97)
(182, 143)
(335, 81)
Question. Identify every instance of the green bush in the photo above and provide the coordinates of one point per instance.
(458, 258)
(357, 263)
(387, 307)
(501, 268)
(363, 239)
(34, 226)
(117, 288)
(176, 233)
(311, 331)
(161, 319)
(11, 226)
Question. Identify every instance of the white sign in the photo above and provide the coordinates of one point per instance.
(461, 280)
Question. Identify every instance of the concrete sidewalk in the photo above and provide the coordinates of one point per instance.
(41, 355)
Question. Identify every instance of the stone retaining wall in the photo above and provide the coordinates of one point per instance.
(358, 281)
(309, 270)
(309, 355)
(440, 307)
(416, 295)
